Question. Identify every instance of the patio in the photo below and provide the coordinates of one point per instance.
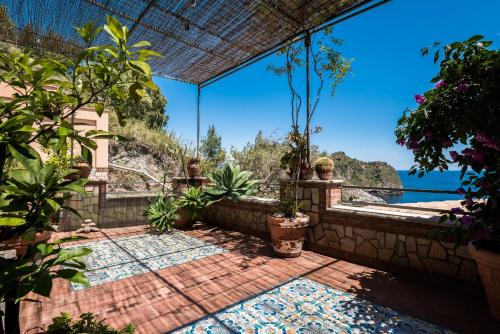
(243, 272)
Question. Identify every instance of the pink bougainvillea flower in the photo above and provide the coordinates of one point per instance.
(469, 201)
(413, 144)
(461, 191)
(486, 141)
(401, 142)
(457, 211)
(462, 87)
(454, 155)
(440, 84)
(467, 220)
(420, 99)
(468, 152)
(446, 142)
(427, 134)
(478, 156)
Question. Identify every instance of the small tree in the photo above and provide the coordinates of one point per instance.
(326, 61)
(48, 92)
(211, 150)
(462, 109)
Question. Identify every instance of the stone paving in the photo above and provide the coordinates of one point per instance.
(168, 299)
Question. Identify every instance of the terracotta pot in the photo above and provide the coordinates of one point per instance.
(325, 175)
(306, 173)
(184, 220)
(83, 171)
(194, 169)
(21, 246)
(288, 234)
(488, 266)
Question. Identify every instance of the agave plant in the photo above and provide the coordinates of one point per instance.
(162, 213)
(231, 182)
(194, 200)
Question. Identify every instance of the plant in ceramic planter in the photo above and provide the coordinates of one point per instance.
(191, 204)
(49, 92)
(324, 168)
(162, 213)
(288, 226)
(194, 167)
(463, 109)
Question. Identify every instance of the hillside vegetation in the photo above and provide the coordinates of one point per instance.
(155, 152)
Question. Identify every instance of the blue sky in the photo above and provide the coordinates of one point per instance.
(360, 119)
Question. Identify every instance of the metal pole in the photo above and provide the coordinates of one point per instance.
(198, 125)
(307, 43)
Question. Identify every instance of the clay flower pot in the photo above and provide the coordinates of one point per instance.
(306, 173)
(83, 168)
(288, 233)
(184, 220)
(194, 168)
(21, 246)
(324, 168)
(488, 266)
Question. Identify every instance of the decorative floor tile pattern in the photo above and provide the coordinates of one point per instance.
(115, 259)
(305, 306)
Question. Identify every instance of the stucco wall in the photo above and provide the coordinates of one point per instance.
(85, 119)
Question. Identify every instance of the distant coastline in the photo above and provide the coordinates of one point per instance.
(446, 180)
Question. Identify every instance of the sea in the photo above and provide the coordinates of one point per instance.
(446, 180)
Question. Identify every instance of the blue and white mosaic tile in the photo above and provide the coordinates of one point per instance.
(115, 259)
(304, 306)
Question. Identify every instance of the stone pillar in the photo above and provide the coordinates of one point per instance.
(315, 196)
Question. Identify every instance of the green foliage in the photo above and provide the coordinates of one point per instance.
(49, 90)
(324, 163)
(30, 197)
(262, 158)
(211, 150)
(194, 200)
(232, 183)
(21, 276)
(463, 109)
(162, 213)
(150, 109)
(87, 323)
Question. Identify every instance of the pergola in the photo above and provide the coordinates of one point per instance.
(202, 41)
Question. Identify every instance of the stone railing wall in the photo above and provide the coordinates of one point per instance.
(107, 210)
(387, 240)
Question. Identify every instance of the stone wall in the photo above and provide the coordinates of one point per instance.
(390, 241)
(107, 209)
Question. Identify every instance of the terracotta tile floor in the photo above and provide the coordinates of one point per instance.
(161, 301)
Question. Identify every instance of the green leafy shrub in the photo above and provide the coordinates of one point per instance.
(194, 200)
(462, 111)
(162, 213)
(231, 182)
(87, 323)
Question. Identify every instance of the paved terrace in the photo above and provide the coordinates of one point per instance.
(164, 300)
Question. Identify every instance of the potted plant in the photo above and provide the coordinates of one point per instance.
(464, 108)
(162, 213)
(324, 168)
(83, 167)
(191, 205)
(194, 167)
(288, 225)
(306, 171)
